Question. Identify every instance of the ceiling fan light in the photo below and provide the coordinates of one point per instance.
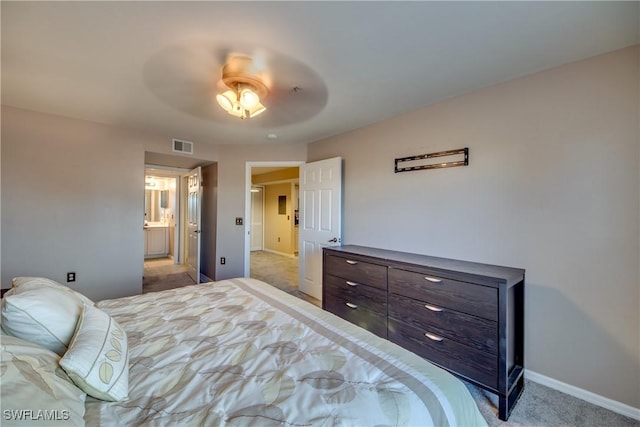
(226, 101)
(246, 88)
(248, 98)
(258, 109)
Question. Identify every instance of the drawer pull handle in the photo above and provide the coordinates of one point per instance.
(432, 279)
(432, 308)
(350, 305)
(351, 283)
(351, 262)
(433, 337)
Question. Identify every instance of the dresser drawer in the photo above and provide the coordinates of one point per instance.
(473, 331)
(357, 314)
(464, 297)
(466, 361)
(357, 271)
(364, 296)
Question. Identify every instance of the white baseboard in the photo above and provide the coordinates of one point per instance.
(596, 399)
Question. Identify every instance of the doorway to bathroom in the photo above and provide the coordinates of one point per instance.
(164, 259)
(177, 215)
(161, 214)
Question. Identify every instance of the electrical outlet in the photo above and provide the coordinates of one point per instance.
(223, 260)
(238, 220)
(71, 276)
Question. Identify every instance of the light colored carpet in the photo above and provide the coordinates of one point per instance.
(539, 406)
(161, 274)
(280, 271)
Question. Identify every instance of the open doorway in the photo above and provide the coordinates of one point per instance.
(178, 167)
(160, 211)
(162, 214)
(272, 225)
(164, 266)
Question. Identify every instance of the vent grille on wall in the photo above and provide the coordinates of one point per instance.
(180, 146)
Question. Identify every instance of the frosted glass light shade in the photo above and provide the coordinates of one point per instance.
(243, 103)
(258, 109)
(226, 100)
(248, 99)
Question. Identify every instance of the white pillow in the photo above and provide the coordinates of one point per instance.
(45, 316)
(35, 390)
(98, 356)
(28, 283)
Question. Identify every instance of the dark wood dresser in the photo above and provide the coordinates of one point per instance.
(465, 317)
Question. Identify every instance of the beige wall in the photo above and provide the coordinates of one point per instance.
(53, 194)
(278, 228)
(553, 186)
(286, 174)
(73, 200)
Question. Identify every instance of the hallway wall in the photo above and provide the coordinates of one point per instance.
(277, 227)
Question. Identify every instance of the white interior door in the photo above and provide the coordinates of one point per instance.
(194, 213)
(320, 219)
(257, 218)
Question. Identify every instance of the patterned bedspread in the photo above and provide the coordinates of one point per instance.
(240, 352)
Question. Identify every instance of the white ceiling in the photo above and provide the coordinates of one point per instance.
(136, 64)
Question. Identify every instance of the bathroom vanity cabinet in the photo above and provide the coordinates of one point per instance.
(156, 241)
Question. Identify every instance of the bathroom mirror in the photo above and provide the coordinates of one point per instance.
(154, 202)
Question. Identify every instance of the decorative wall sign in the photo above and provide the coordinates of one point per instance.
(459, 157)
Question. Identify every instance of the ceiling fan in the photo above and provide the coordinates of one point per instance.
(199, 77)
(245, 88)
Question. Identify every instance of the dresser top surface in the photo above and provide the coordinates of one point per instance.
(508, 275)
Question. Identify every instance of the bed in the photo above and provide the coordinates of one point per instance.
(241, 352)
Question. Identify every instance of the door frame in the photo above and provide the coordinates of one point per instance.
(247, 202)
(262, 189)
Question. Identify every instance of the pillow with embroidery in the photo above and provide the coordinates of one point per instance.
(98, 356)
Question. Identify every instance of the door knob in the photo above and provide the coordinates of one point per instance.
(334, 240)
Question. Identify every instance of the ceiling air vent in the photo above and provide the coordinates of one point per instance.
(180, 146)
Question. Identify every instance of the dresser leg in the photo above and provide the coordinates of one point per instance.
(506, 403)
